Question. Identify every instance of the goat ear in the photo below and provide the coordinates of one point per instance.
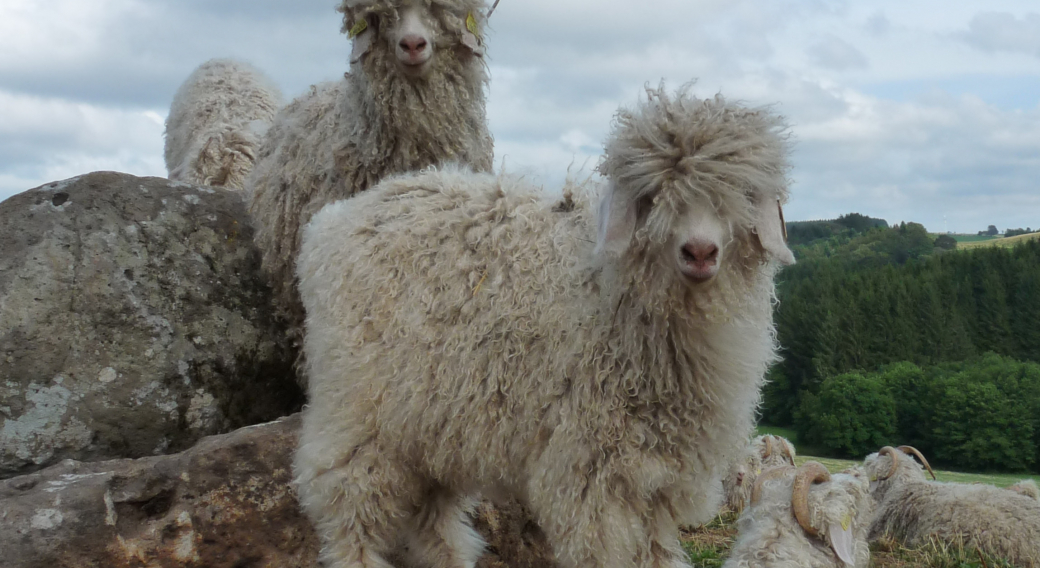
(772, 233)
(362, 44)
(840, 537)
(470, 41)
(617, 221)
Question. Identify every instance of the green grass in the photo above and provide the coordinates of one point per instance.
(973, 238)
(778, 431)
(708, 546)
(835, 465)
(998, 241)
(997, 479)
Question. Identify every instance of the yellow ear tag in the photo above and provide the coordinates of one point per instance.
(845, 522)
(358, 29)
(873, 478)
(471, 25)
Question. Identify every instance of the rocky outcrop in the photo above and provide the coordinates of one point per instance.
(133, 321)
(226, 503)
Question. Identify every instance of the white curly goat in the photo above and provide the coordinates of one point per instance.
(1026, 487)
(217, 121)
(414, 97)
(805, 518)
(468, 333)
(763, 452)
(913, 510)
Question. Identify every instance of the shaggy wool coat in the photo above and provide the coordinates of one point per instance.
(468, 332)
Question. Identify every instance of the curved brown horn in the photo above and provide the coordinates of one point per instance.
(771, 473)
(892, 453)
(912, 450)
(810, 473)
(787, 450)
(768, 439)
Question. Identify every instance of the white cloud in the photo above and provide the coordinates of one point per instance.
(837, 54)
(904, 110)
(1001, 31)
(45, 139)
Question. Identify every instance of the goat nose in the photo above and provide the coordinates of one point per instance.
(413, 43)
(702, 251)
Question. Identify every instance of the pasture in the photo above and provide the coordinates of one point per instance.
(708, 546)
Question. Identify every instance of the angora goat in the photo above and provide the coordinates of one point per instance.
(468, 333)
(414, 97)
(217, 121)
(763, 452)
(1026, 487)
(805, 519)
(912, 510)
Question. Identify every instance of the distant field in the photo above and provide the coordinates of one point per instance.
(708, 546)
(836, 465)
(996, 241)
(1000, 480)
(973, 238)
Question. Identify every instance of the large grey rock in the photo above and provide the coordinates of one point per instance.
(133, 321)
(226, 503)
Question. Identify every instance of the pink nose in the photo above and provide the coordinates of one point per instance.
(699, 260)
(701, 252)
(413, 44)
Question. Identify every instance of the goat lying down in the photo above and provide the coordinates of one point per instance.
(765, 451)
(913, 510)
(805, 517)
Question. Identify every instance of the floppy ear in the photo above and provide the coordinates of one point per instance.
(771, 230)
(362, 43)
(841, 541)
(470, 41)
(617, 221)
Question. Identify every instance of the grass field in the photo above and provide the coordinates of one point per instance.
(708, 546)
(974, 241)
(973, 238)
(835, 465)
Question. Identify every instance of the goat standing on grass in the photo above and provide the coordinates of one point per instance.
(469, 333)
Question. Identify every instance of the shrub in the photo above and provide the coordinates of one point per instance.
(851, 415)
(945, 242)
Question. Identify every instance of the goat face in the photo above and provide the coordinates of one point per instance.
(697, 182)
(694, 229)
(411, 41)
(412, 34)
(698, 242)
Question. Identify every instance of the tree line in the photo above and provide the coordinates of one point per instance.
(864, 296)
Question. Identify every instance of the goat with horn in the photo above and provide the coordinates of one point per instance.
(762, 452)
(913, 510)
(805, 517)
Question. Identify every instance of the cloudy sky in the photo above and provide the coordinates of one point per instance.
(915, 110)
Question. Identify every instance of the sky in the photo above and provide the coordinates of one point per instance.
(908, 110)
